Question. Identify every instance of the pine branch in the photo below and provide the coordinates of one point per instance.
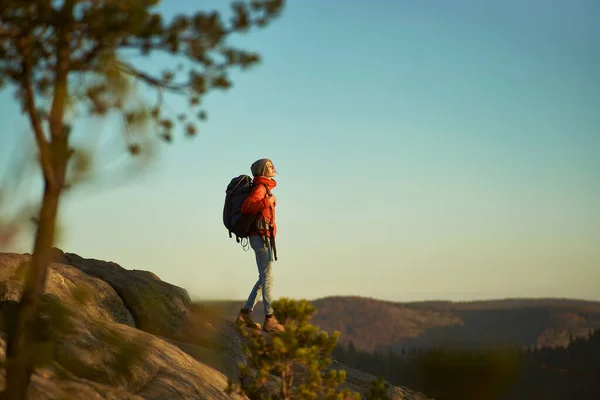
(9, 32)
(81, 63)
(149, 79)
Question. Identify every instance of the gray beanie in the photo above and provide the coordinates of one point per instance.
(258, 167)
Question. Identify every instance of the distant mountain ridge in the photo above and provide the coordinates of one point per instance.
(381, 325)
(506, 303)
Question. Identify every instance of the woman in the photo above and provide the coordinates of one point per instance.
(262, 202)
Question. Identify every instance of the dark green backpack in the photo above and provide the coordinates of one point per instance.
(235, 221)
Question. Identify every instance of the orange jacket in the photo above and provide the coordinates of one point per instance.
(258, 202)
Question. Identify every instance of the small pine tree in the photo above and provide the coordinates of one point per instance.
(298, 357)
(378, 389)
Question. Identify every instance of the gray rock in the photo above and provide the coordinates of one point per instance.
(114, 333)
(157, 307)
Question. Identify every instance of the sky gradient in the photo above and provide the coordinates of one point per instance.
(425, 150)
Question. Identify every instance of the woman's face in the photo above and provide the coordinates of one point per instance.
(269, 169)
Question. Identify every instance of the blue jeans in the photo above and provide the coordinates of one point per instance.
(264, 284)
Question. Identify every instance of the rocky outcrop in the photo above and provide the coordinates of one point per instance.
(111, 333)
(157, 307)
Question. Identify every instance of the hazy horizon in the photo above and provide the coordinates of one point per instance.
(425, 151)
(434, 300)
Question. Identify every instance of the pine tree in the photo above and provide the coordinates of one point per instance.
(378, 389)
(298, 359)
(69, 60)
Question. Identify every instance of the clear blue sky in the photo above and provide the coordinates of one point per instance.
(425, 150)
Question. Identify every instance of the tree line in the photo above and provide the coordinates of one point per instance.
(553, 373)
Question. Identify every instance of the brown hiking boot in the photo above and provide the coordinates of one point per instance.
(245, 318)
(272, 325)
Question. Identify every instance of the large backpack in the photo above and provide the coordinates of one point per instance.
(237, 223)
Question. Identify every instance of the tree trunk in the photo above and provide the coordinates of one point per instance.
(19, 359)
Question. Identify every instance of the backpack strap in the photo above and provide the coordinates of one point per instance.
(272, 240)
(267, 189)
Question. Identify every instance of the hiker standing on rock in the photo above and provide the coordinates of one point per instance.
(262, 202)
